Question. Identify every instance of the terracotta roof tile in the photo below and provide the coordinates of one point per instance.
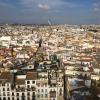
(31, 76)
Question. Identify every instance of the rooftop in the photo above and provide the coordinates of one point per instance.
(31, 76)
(19, 81)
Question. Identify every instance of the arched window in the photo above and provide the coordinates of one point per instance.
(12, 98)
(8, 98)
(28, 98)
(12, 94)
(4, 98)
(17, 98)
(28, 94)
(23, 94)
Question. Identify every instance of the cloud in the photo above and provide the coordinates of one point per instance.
(58, 11)
(47, 4)
(96, 9)
(97, 6)
(43, 6)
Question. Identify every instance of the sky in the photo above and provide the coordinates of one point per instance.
(57, 11)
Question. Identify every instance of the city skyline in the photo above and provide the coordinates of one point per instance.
(58, 11)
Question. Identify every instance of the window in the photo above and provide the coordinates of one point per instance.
(4, 98)
(8, 94)
(3, 93)
(30, 66)
(60, 94)
(28, 82)
(23, 94)
(3, 84)
(28, 94)
(18, 86)
(28, 98)
(45, 84)
(38, 96)
(28, 86)
(41, 95)
(38, 90)
(33, 98)
(33, 93)
(45, 90)
(99, 85)
(12, 98)
(46, 95)
(17, 94)
(7, 89)
(3, 89)
(12, 94)
(17, 98)
(23, 97)
(8, 85)
(33, 82)
(8, 98)
(42, 90)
